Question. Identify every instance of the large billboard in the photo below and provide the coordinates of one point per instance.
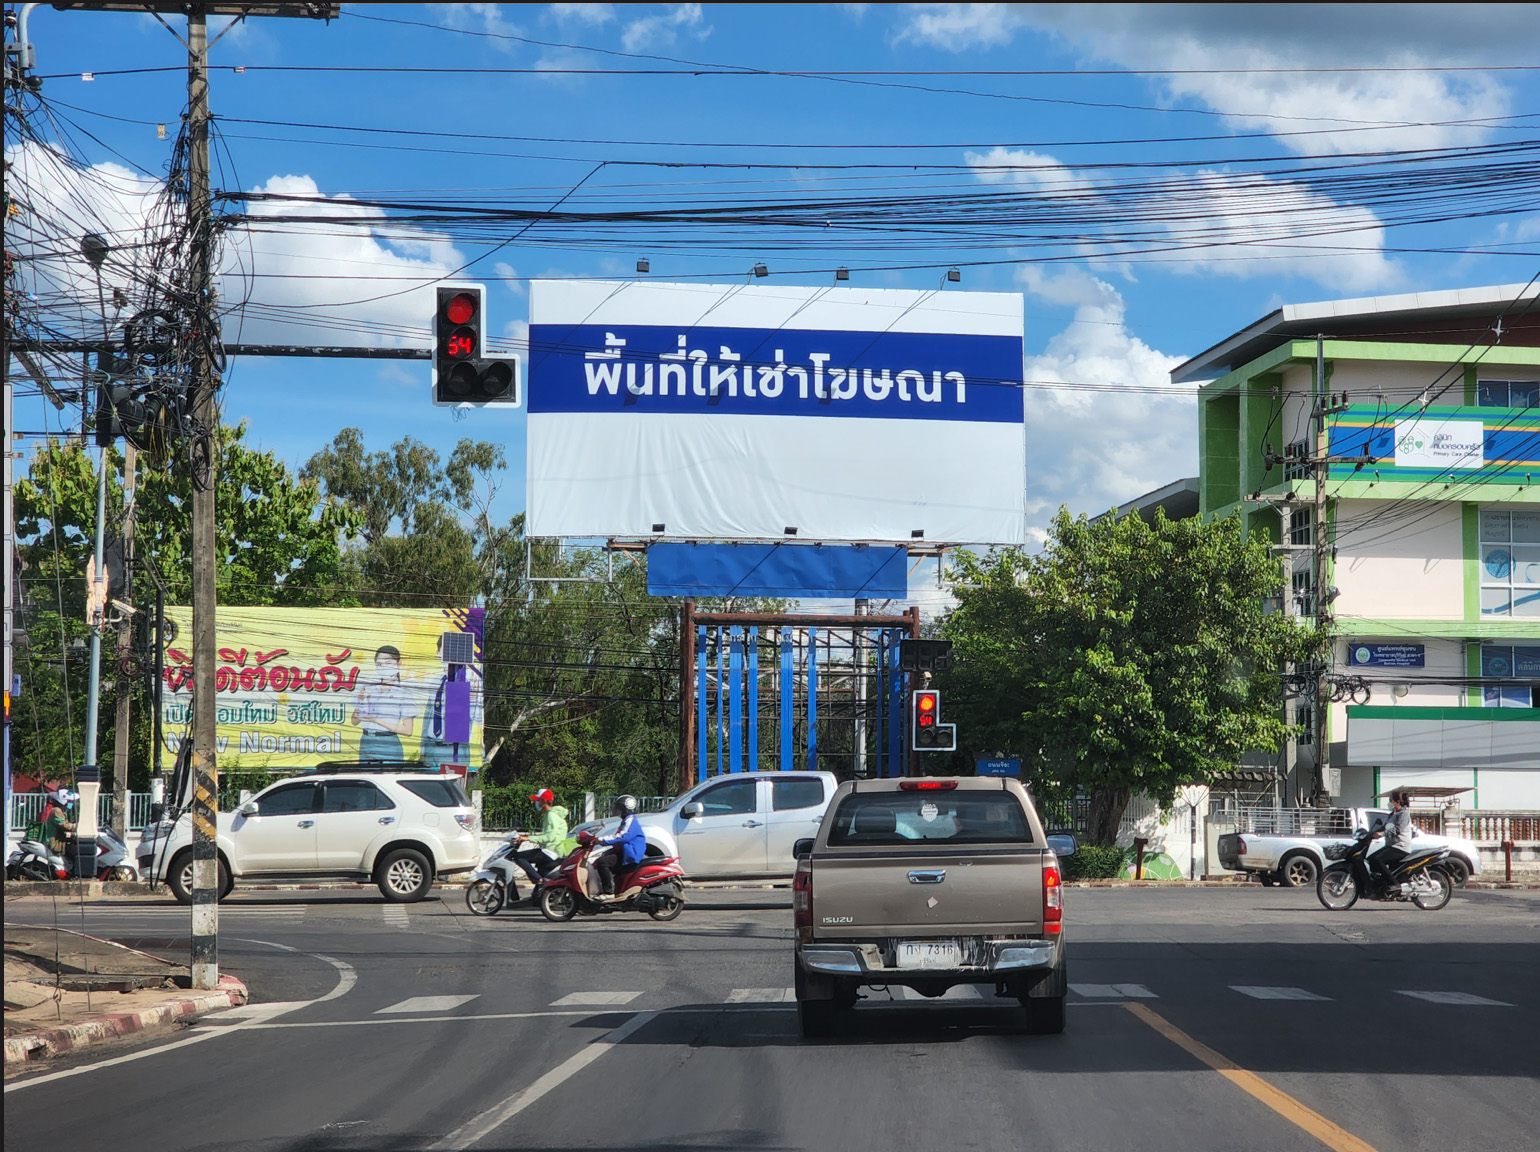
(747, 412)
(295, 686)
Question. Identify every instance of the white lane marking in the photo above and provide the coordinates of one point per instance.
(576, 999)
(395, 915)
(1466, 998)
(489, 1121)
(1113, 991)
(1257, 992)
(427, 1004)
(347, 977)
(761, 996)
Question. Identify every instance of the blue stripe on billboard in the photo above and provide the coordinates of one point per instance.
(779, 372)
(707, 569)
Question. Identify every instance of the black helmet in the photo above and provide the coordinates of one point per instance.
(623, 806)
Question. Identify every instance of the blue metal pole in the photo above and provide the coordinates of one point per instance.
(735, 702)
(721, 724)
(812, 699)
(700, 703)
(895, 707)
(754, 698)
(787, 684)
(882, 684)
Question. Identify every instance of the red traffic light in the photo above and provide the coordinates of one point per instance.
(460, 344)
(460, 309)
(925, 708)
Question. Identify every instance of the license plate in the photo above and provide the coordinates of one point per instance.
(928, 954)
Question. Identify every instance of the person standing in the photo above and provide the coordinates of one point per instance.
(384, 709)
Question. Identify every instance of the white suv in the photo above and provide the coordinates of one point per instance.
(400, 828)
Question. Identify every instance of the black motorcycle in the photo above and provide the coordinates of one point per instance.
(1423, 877)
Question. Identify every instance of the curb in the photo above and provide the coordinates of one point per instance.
(1500, 884)
(42, 1043)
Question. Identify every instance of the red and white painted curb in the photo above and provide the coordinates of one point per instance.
(42, 1043)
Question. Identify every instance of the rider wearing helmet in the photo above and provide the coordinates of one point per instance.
(627, 846)
(53, 823)
(538, 853)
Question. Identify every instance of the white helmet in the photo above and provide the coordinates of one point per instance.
(64, 796)
(623, 805)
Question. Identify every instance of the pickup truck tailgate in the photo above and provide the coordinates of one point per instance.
(988, 891)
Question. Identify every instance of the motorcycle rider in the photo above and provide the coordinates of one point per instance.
(627, 846)
(53, 823)
(1397, 830)
(532, 855)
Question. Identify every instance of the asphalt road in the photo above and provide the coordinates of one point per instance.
(1223, 1019)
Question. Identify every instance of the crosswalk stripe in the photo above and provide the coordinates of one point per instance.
(1113, 991)
(594, 999)
(1257, 992)
(761, 996)
(427, 1004)
(1465, 998)
(395, 915)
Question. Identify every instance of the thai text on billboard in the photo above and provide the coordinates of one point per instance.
(296, 686)
(748, 412)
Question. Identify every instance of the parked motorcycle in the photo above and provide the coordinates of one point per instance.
(1423, 877)
(34, 860)
(651, 886)
(490, 886)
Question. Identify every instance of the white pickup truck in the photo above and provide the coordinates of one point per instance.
(1287, 846)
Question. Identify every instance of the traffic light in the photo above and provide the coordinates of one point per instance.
(924, 655)
(118, 412)
(926, 732)
(462, 374)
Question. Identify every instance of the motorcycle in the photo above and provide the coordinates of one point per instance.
(650, 886)
(487, 893)
(1422, 877)
(34, 860)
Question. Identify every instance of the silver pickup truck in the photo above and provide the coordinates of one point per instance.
(930, 883)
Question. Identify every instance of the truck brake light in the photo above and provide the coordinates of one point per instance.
(1240, 846)
(802, 894)
(1053, 898)
(927, 785)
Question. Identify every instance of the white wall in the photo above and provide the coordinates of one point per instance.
(1405, 564)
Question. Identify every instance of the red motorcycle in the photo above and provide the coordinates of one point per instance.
(651, 886)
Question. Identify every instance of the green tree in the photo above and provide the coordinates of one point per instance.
(1126, 657)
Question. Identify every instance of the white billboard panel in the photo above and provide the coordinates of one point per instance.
(738, 411)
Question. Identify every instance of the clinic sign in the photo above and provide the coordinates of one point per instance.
(296, 686)
(747, 412)
(1386, 655)
(1439, 443)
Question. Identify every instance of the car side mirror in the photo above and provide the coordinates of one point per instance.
(1062, 844)
(248, 809)
(803, 847)
(157, 813)
(693, 809)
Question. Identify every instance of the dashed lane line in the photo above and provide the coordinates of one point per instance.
(1258, 992)
(1337, 1138)
(427, 1004)
(594, 999)
(1465, 998)
(1113, 991)
(761, 996)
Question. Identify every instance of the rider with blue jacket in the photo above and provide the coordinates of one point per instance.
(626, 847)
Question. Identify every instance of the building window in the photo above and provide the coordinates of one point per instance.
(1301, 526)
(1510, 563)
(1296, 461)
(1508, 393)
(1509, 661)
(1304, 722)
(1304, 591)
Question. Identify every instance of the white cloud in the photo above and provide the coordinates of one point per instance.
(1033, 170)
(1237, 36)
(593, 15)
(1093, 450)
(662, 28)
(330, 283)
(476, 18)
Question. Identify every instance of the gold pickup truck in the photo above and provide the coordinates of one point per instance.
(929, 883)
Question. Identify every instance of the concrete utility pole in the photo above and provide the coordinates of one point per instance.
(120, 731)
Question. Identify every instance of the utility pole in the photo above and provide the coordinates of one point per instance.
(858, 650)
(125, 644)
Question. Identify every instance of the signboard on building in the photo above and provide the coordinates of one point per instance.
(1438, 442)
(752, 412)
(1386, 655)
(295, 686)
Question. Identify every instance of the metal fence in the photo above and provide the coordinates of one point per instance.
(1294, 821)
(1074, 815)
(25, 807)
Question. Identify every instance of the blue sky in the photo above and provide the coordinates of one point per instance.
(1103, 319)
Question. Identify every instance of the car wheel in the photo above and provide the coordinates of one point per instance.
(558, 904)
(1457, 870)
(1045, 1015)
(485, 897)
(179, 877)
(404, 876)
(1298, 871)
(815, 1018)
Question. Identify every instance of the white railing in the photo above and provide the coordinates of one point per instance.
(25, 807)
(1493, 827)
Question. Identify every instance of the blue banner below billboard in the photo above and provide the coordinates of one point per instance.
(804, 570)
